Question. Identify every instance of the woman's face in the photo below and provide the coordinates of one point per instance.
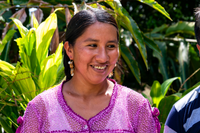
(95, 53)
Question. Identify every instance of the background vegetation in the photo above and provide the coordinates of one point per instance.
(155, 51)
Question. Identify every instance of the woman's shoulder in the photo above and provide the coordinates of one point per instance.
(129, 93)
(47, 95)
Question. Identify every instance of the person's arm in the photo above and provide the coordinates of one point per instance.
(147, 119)
(173, 123)
(30, 122)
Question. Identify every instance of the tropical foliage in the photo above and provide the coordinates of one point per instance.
(162, 53)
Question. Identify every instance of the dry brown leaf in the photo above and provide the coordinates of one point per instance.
(39, 15)
(67, 15)
(55, 39)
(20, 15)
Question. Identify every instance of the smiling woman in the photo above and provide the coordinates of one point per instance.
(88, 101)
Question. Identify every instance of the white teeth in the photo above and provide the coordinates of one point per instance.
(99, 67)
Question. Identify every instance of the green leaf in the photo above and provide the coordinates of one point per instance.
(23, 81)
(35, 22)
(131, 62)
(20, 2)
(5, 125)
(23, 30)
(155, 5)
(6, 67)
(44, 34)
(181, 27)
(156, 93)
(49, 67)
(31, 39)
(165, 86)
(159, 29)
(162, 59)
(165, 106)
(7, 38)
(190, 89)
(152, 45)
(128, 23)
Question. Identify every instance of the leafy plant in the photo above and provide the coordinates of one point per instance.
(40, 68)
(36, 71)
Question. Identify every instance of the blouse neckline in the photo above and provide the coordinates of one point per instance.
(79, 118)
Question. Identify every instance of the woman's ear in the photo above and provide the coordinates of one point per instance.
(69, 50)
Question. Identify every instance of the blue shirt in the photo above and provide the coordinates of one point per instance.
(184, 116)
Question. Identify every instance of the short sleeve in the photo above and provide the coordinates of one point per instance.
(147, 119)
(29, 123)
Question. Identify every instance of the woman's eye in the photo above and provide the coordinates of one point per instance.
(111, 46)
(92, 45)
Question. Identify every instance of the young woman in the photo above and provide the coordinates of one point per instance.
(88, 101)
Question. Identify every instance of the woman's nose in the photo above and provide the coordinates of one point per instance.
(102, 55)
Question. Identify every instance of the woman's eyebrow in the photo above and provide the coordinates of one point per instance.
(94, 40)
(91, 40)
(113, 41)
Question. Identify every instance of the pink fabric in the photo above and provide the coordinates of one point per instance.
(127, 112)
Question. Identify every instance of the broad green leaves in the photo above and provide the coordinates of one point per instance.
(160, 100)
(36, 71)
(158, 91)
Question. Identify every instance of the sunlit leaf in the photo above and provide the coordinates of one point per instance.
(6, 67)
(155, 5)
(44, 34)
(34, 21)
(165, 85)
(181, 27)
(156, 93)
(22, 29)
(23, 81)
(31, 40)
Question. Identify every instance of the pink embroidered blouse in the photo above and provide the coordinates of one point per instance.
(127, 112)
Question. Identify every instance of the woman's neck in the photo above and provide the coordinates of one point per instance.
(86, 90)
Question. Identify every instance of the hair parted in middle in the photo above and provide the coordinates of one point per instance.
(79, 23)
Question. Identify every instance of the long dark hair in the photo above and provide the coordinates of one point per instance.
(79, 23)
